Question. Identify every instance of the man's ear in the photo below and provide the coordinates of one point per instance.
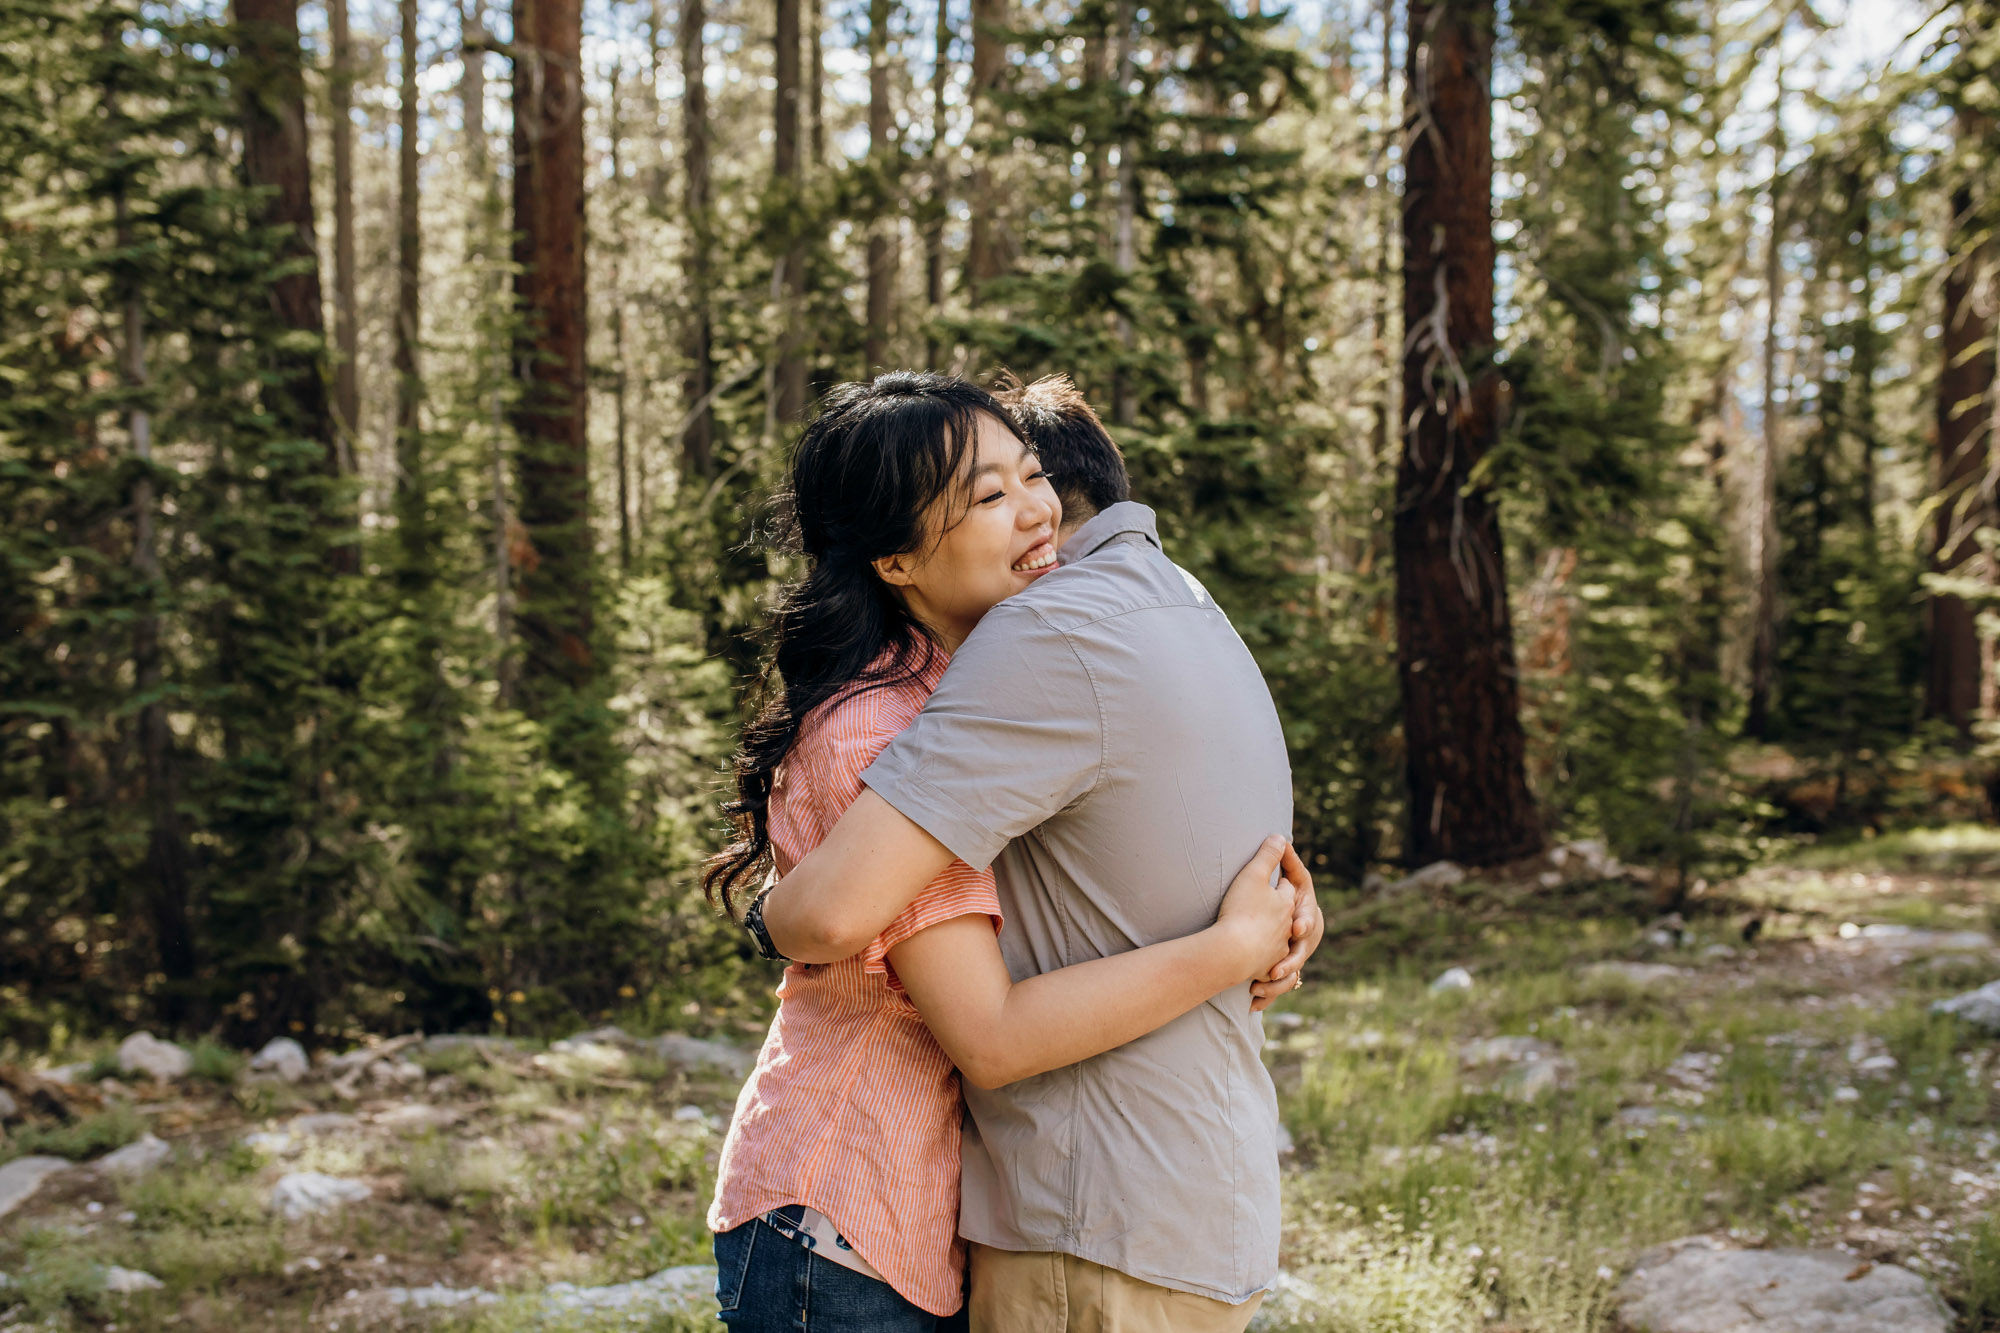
(894, 570)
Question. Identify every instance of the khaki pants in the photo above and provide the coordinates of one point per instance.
(1040, 1292)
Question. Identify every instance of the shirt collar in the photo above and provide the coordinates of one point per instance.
(1101, 528)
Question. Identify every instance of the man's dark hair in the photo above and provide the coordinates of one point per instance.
(1081, 458)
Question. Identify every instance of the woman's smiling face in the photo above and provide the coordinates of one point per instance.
(998, 536)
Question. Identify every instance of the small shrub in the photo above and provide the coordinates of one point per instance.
(1979, 1283)
(215, 1062)
(55, 1275)
(80, 1139)
(196, 1196)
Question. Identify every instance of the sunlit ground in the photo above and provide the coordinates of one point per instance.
(1792, 1089)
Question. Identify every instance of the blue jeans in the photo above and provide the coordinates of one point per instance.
(767, 1282)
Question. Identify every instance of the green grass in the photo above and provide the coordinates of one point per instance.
(1427, 1200)
(81, 1139)
(215, 1063)
(1979, 1291)
(1423, 1197)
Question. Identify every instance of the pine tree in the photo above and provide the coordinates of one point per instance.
(1466, 752)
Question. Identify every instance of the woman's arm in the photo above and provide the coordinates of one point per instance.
(997, 1030)
(854, 884)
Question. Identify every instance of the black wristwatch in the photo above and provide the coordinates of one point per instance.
(753, 921)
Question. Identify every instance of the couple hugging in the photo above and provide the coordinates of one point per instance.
(1006, 888)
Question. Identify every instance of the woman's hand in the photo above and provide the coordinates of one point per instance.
(1256, 915)
(1308, 928)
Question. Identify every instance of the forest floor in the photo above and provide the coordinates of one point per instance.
(1491, 1157)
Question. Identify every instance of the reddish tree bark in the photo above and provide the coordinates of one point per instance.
(985, 251)
(698, 385)
(1965, 410)
(939, 203)
(271, 85)
(788, 388)
(346, 329)
(1469, 798)
(554, 576)
(881, 150)
(412, 525)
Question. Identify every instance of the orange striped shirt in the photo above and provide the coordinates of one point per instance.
(853, 1108)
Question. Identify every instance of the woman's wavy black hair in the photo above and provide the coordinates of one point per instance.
(864, 477)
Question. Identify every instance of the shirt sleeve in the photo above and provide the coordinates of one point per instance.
(1013, 734)
(959, 891)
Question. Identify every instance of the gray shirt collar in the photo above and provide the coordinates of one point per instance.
(1108, 524)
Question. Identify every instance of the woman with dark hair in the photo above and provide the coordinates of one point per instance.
(917, 508)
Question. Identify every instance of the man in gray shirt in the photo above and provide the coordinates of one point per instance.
(1105, 741)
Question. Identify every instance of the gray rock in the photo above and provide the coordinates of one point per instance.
(135, 1158)
(1981, 1007)
(689, 1289)
(440, 1297)
(322, 1122)
(281, 1058)
(612, 1035)
(271, 1142)
(1502, 1050)
(1696, 1285)
(1529, 1067)
(415, 1117)
(1536, 1078)
(71, 1073)
(1436, 875)
(395, 1073)
(1587, 858)
(478, 1041)
(20, 1178)
(305, 1193)
(1451, 979)
(577, 1058)
(678, 1048)
(9, 1108)
(126, 1281)
(142, 1055)
(1642, 976)
(1893, 939)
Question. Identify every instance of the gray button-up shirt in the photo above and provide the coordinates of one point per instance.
(1104, 739)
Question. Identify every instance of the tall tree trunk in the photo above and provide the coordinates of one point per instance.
(881, 248)
(1465, 750)
(788, 380)
(1385, 247)
(1764, 630)
(1867, 351)
(940, 200)
(276, 158)
(816, 85)
(1124, 254)
(697, 437)
(472, 93)
(167, 885)
(555, 575)
(656, 46)
(346, 329)
(412, 523)
(1965, 422)
(698, 383)
(619, 385)
(986, 241)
